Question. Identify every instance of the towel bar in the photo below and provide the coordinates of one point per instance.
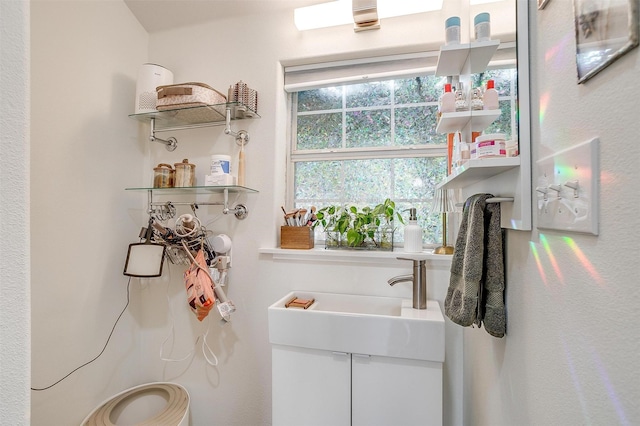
(493, 200)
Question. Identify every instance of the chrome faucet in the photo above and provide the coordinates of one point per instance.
(419, 279)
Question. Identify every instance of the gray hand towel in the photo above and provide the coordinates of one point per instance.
(476, 285)
(492, 296)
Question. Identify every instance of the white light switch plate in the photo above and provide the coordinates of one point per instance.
(568, 189)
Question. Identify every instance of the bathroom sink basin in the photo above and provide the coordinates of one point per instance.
(372, 325)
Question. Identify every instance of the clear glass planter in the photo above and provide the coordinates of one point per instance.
(380, 239)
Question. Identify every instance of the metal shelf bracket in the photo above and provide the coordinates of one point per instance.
(242, 137)
(171, 143)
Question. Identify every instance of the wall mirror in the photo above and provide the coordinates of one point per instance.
(503, 58)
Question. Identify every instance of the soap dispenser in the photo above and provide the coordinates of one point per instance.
(412, 234)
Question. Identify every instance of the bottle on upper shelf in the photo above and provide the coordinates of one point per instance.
(490, 97)
(452, 30)
(476, 98)
(482, 26)
(462, 104)
(447, 102)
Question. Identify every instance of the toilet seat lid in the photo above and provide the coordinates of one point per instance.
(172, 415)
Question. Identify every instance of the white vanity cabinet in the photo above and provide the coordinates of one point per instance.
(319, 387)
(356, 360)
(310, 387)
(395, 391)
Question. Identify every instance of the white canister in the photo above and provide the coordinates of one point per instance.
(491, 145)
(452, 30)
(220, 165)
(482, 26)
(150, 76)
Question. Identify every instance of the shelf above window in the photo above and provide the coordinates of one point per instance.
(453, 58)
(451, 122)
(196, 190)
(477, 170)
(196, 116)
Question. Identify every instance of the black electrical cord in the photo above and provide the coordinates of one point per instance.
(101, 352)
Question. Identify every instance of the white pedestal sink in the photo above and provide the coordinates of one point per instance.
(356, 360)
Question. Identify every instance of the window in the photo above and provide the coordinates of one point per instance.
(361, 143)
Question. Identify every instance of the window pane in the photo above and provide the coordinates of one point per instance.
(502, 80)
(318, 180)
(417, 178)
(319, 131)
(368, 128)
(367, 181)
(368, 94)
(320, 99)
(372, 115)
(503, 123)
(418, 89)
(417, 125)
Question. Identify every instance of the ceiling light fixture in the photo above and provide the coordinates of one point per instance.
(342, 12)
(365, 15)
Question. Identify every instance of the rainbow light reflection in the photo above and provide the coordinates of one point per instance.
(552, 258)
(585, 262)
(544, 103)
(536, 256)
(613, 396)
(576, 381)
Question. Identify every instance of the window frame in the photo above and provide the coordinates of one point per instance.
(427, 150)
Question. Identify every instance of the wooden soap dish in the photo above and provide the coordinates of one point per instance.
(299, 303)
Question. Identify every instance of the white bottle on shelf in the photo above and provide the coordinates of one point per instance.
(447, 100)
(490, 97)
(412, 234)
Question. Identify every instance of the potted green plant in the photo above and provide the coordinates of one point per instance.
(359, 227)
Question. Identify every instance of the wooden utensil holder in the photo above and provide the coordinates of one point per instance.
(296, 237)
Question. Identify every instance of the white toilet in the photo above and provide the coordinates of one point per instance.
(157, 404)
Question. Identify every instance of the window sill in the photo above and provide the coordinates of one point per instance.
(319, 254)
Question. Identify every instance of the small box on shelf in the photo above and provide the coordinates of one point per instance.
(296, 237)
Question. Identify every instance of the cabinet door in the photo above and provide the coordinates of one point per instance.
(393, 391)
(310, 387)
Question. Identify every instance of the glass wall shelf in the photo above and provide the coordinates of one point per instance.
(196, 116)
(196, 190)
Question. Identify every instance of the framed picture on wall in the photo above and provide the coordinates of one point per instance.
(605, 30)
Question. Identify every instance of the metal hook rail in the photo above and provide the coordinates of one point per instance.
(240, 211)
(242, 137)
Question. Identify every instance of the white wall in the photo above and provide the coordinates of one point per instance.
(238, 390)
(567, 357)
(14, 213)
(84, 152)
(570, 354)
